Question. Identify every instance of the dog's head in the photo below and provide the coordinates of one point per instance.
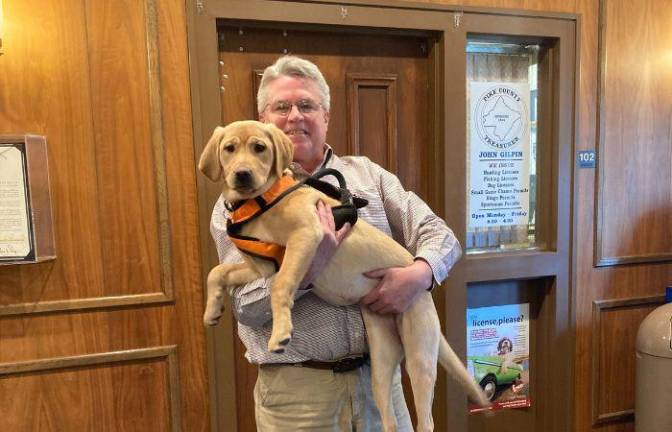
(504, 346)
(249, 155)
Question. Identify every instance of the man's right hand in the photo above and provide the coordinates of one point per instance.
(330, 241)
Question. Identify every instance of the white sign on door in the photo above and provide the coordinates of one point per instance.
(499, 154)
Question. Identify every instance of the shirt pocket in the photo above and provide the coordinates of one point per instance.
(374, 211)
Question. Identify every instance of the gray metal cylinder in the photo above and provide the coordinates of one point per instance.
(653, 404)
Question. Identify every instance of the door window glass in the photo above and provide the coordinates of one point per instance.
(502, 95)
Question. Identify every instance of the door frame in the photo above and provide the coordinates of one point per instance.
(543, 274)
(447, 20)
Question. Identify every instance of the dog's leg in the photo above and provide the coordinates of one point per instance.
(219, 277)
(299, 254)
(420, 333)
(386, 353)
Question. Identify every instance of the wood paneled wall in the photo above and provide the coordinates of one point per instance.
(107, 83)
(108, 336)
(635, 132)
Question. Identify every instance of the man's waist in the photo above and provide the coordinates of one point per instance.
(339, 366)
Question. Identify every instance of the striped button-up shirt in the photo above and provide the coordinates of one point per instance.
(322, 331)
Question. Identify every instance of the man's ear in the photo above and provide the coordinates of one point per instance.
(283, 148)
(209, 163)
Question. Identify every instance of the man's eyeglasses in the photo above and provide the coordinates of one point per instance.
(283, 107)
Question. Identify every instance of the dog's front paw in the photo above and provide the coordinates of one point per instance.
(279, 339)
(213, 312)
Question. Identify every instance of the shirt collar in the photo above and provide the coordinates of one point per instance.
(300, 173)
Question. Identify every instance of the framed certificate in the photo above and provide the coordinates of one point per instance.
(16, 230)
(26, 233)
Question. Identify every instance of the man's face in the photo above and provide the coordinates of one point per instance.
(294, 107)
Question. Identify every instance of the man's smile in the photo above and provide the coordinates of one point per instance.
(291, 132)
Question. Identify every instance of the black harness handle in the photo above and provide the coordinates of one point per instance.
(347, 211)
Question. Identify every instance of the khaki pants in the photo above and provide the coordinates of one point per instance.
(295, 398)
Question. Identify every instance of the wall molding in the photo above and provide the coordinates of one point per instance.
(598, 415)
(158, 144)
(599, 258)
(166, 353)
(388, 83)
(166, 295)
(84, 304)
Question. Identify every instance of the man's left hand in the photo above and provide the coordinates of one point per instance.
(398, 287)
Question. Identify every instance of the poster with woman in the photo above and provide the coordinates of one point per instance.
(498, 352)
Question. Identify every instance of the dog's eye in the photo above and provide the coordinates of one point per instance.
(230, 148)
(259, 147)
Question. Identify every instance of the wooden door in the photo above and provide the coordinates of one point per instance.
(536, 271)
(380, 107)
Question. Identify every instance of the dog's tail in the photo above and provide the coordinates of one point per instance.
(453, 365)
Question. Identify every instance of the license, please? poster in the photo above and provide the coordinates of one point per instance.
(498, 352)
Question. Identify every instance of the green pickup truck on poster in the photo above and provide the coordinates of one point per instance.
(487, 371)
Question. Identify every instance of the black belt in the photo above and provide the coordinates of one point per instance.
(340, 366)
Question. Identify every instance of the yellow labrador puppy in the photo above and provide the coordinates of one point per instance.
(251, 157)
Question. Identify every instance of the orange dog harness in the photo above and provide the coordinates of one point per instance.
(245, 211)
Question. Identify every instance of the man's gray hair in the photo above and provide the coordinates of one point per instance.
(296, 67)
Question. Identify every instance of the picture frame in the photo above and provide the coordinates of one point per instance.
(26, 231)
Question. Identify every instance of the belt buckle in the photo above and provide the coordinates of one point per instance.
(347, 364)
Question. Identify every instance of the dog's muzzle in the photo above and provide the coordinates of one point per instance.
(243, 179)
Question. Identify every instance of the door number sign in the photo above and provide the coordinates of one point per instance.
(585, 159)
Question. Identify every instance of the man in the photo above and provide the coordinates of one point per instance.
(322, 381)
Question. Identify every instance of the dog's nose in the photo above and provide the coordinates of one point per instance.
(243, 178)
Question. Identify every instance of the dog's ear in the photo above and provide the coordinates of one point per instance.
(284, 149)
(209, 163)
